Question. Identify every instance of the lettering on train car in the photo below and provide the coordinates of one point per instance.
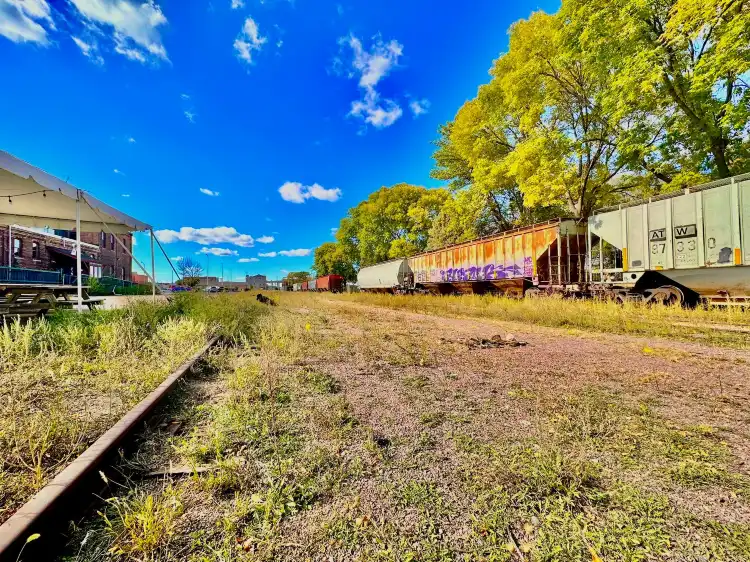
(658, 235)
(685, 231)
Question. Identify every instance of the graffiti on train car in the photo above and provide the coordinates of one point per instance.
(489, 272)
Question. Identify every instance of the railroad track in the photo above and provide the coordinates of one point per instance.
(61, 500)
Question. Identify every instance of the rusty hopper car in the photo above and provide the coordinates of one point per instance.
(542, 258)
(392, 276)
(331, 283)
(685, 247)
(303, 287)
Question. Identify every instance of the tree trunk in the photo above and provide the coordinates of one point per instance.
(719, 151)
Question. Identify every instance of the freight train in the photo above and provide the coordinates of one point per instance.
(684, 248)
(327, 283)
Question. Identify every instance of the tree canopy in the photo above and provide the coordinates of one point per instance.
(330, 259)
(603, 102)
(392, 222)
(298, 277)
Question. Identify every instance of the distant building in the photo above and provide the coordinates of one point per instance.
(139, 279)
(208, 281)
(256, 281)
(276, 285)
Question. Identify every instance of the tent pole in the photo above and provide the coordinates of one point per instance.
(79, 281)
(153, 267)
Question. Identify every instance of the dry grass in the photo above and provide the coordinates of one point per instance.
(352, 433)
(590, 315)
(65, 380)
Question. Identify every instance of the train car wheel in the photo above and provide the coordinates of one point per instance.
(666, 295)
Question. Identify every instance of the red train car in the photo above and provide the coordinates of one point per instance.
(304, 285)
(332, 283)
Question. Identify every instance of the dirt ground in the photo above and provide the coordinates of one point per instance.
(562, 446)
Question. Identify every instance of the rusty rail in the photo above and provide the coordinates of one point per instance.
(34, 515)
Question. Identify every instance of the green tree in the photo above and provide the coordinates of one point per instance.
(392, 222)
(678, 76)
(331, 259)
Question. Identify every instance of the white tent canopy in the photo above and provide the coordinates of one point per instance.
(32, 197)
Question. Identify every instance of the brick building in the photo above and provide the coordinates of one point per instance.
(27, 248)
(31, 249)
(114, 260)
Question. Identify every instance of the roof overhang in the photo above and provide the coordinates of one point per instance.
(32, 197)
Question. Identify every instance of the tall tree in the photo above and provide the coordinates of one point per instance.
(330, 259)
(568, 150)
(392, 222)
(677, 67)
(189, 270)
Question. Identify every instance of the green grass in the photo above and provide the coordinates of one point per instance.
(66, 378)
(297, 473)
(589, 315)
(258, 439)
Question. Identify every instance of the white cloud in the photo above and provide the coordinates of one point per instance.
(206, 236)
(134, 25)
(126, 194)
(190, 116)
(247, 260)
(131, 140)
(375, 64)
(371, 66)
(221, 252)
(288, 253)
(377, 114)
(295, 192)
(118, 172)
(185, 96)
(265, 239)
(21, 20)
(91, 51)
(248, 40)
(176, 258)
(236, 4)
(208, 192)
(295, 253)
(419, 107)
(334, 230)
(340, 9)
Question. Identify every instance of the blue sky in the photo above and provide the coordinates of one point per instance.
(269, 118)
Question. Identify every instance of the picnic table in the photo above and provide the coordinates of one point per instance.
(26, 300)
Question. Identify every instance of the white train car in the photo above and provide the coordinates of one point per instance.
(685, 247)
(394, 276)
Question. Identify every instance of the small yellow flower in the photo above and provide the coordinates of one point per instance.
(307, 326)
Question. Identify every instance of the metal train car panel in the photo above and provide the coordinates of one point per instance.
(388, 277)
(694, 243)
(509, 262)
(331, 283)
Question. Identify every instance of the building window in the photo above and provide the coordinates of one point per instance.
(111, 241)
(35, 249)
(103, 239)
(17, 248)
